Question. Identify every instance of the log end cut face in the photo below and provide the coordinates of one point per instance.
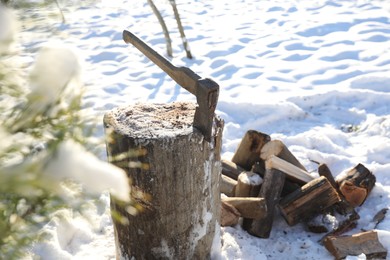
(153, 120)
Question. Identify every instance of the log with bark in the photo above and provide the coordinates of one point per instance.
(356, 184)
(311, 199)
(270, 190)
(228, 185)
(248, 185)
(248, 151)
(339, 218)
(231, 169)
(362, 243)
(251, 208)
(288, 187)
(179, 171)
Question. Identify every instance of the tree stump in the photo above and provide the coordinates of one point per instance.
(175, 178)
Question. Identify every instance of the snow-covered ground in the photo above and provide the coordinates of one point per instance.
(314, 74)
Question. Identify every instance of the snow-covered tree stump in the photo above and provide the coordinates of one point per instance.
(175, 178)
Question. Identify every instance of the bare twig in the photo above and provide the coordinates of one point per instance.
(181, 30)
(163, 26)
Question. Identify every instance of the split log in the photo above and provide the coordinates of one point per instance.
(362, 243)
(288, 186)
(179, 170)
(248, 151)
(311, 199)
(292, 172)
(231, 169)
(248, 185)
(323, 170)
(229, 215)
(270, 190)
(253, 208)
(228, 185)
(339, 218)
(277, 148)
(356, 184)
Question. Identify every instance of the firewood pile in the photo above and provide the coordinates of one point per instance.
(264, 178)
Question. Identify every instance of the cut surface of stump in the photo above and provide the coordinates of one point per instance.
(175, 178)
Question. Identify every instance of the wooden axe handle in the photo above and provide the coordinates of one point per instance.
(183, 76)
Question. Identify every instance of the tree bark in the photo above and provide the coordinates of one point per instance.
(356, 184)
(231, 169)
(362, 243)
(313, 198)
(164, 28)
(175, 173)
(270, 190)
(248, 185)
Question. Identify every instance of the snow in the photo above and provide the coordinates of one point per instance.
(73, 162)
(250, 178)
(314, 74)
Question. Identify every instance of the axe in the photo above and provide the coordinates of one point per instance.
(205, 90)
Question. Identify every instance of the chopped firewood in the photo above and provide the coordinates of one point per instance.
(270, 190)
(292, 172)
(229, 215)
(313, 198)
(277, 148)
(248, 151)
(231, 169)
(228, 185)
(362, 243)
(288, 187)
(253, 208)
(323, 170)
(248, 185)
(356, 184)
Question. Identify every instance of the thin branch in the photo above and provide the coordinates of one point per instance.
(181, 30)
(164, 27)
